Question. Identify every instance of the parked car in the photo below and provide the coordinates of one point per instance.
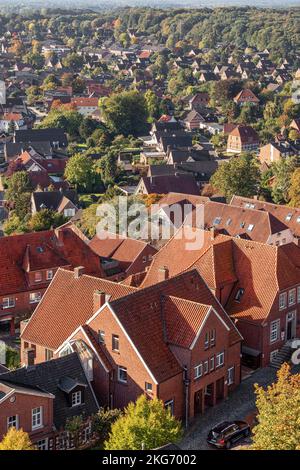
(225, 434)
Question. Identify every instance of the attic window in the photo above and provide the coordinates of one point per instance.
(217, 221)
(288, 217)
(242, 225)
(229, 221)
(250, 227)
(298, 219)
(239, 294)
(40, 249)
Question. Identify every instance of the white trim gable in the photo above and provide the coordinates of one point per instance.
(132, 344)
(211, 309)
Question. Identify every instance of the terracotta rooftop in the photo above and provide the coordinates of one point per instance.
(67, 304)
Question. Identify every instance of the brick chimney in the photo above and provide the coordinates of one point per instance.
(99, 299)
(163, 273)
(78, 271)
(29, 355)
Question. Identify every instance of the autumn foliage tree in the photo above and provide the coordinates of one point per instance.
(146, 424)
(278, 413)
(16, 439)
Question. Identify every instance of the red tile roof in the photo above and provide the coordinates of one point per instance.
(142, 315)
(246, 134)
(120, 248)
(242, 263)
(41, 250)
(67, 304)
(289, 216)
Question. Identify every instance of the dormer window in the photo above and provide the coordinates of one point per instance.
(250, 227)
(49, 275)
(115, 343)
(298, 219)
(289, 216)
(76, 398)
(101, 337)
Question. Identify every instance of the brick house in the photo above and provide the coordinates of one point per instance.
(28, 264)
(40, 399)
(263, 302)
(289, 216)
(246, 96)
(121, 256)
(276, 151)
(242, 139)
(172, 340)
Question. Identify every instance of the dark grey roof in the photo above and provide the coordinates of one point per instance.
(11, 149)
(39, 135)
(67, 384)
(52, 199)
(180, 183)
(176, 141)
(46, 376)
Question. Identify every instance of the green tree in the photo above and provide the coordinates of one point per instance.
(240, 176)
(17, 184)
(108, 167)
(294, 190)
(67, 119)
(146, 424)
(16, 440)
(103, 420)
(278, 413)
(282, 172)
(126, 113)
(80, 171)
(45, 219)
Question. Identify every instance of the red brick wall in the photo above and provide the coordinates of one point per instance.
(138, 265)
(137, 374)
(23, 406)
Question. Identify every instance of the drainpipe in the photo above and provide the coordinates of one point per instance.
(186, 382)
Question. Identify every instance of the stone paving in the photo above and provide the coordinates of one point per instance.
(239, 405)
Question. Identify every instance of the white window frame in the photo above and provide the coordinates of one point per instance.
(42, 444)
(212, 363)
(49, 275)
(37, 418)
(220, 359)
(273, 354)
(212, 337)
(122, 368)
(206, 341)
(282, 300)
(205, 367)
(101, 336)
(35, 297)
(11, 302)
(230, 375)
(13, 422)
(117, 338)
(198, 371)
(76, 398)
(169, 404)
(148, 387)
(276, 324)
(292, 292)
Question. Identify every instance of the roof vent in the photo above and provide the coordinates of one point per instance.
(78, 271)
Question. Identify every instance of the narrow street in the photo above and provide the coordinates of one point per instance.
(239, 405)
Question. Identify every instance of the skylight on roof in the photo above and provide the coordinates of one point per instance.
(40, 249)
(250, 227)
(298, 219)
(217, 221)
(289, 216)
(229, 221)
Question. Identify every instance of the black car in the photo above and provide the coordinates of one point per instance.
(225, 434)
